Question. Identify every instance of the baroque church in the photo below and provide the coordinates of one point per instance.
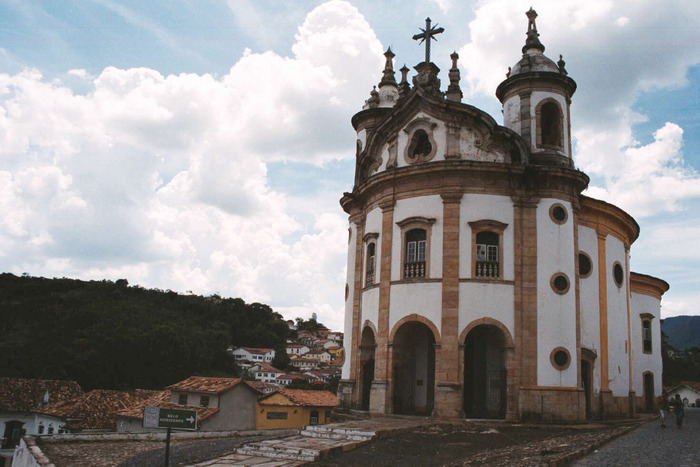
(481, 282)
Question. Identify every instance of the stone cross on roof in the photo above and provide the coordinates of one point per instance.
(428, 34)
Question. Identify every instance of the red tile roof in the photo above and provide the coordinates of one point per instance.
(294, 376)
(305, 398)
(269, 368)
(23, 395)
(95, 410)
(205, 384)
(162, 399)
(257, 350)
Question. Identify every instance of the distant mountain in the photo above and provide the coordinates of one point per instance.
(683, 332)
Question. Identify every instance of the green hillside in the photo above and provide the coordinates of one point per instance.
(109, 335)
(682, 332)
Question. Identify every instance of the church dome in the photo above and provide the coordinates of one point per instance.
(534, 60)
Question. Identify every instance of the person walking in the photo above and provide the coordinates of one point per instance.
(663, 408)
(679, 410)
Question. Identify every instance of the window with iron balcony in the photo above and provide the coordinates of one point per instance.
(416, 245)
(487, 250)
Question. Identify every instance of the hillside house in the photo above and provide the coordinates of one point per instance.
(252, 354)
(222, 404)
(267, 373)
(297, 349)
(321, 356)
(304, 364)
(294, 408)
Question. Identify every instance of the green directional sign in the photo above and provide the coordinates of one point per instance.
(179, 419)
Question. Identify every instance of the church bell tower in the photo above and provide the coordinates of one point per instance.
(536, 97)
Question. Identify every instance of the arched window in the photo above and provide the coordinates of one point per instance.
(550, 125)
(371, 259)
(420, 145)
(646, 332)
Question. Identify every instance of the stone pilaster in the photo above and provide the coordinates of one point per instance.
(448, 394)
(525, 306)
(380, 396)
(357, 307)
(603, 317)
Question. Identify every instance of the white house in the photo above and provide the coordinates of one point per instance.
(253, 354)
(267, 374)
(297, 349)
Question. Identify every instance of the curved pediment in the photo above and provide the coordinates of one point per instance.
(421, 129)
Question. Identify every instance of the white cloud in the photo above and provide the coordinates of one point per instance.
(163, 179)
(444, 5)
(642, 179)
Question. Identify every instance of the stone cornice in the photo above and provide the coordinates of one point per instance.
(607, 219)
(647, 285)
(460, 176)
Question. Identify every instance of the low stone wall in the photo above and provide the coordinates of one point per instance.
(552, 404)
(160, 435)
(28, 454)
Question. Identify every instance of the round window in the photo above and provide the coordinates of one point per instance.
(585, 265)
(560, 358)
(560, 283)
(618, 274)
(558, 213)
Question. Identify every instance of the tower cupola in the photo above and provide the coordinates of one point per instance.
(536, 98)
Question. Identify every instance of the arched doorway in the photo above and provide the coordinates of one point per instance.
(588, 357)
(414, 369)
(649, 392)
(13, 433)
(367, 348)
(485, 375)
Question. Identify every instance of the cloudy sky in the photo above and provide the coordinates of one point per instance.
(203, 145)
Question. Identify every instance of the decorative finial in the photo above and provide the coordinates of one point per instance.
(388, 75)
(454, 93)
(532, 41)
(404, 87)
(508, 74)
(561, 64)
(428, 34)
(373, 101)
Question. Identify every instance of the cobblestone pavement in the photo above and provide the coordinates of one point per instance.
(652, 445)
(185, 454)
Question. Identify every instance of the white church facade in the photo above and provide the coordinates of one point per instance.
(481, 283)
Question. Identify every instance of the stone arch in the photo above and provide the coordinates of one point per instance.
(549, 119)
(418, 318)
(368, 347)
(413, 366)
(487, 368)
(510, 343)
(370, 325)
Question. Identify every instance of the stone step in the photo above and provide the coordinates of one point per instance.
(359, 436)
(335, 431)
(301, 448)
